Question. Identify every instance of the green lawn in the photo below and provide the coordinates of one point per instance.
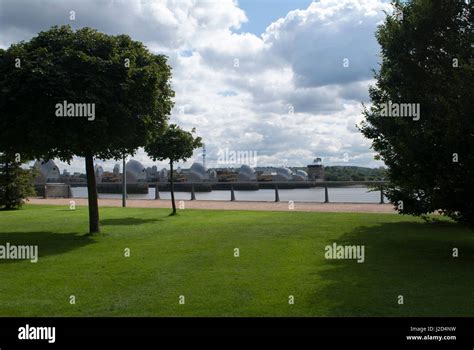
(281, 254)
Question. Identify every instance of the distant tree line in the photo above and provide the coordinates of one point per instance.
(353, 173)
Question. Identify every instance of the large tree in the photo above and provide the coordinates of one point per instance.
(427, 61)
(128, 87)
(176, 145)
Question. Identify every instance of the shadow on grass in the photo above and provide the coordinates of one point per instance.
(411, 259)
(127, 221)
(48, 243)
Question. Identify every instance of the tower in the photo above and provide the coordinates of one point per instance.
(316, 170)
(204, 155)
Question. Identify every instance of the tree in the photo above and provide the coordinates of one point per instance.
(176, 145)
(82, 93)
(16, 183)
(427, 63)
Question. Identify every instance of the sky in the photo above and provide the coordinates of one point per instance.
(260, 13)
(283, 79)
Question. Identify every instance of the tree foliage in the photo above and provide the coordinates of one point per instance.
(128, 86)
(16, 183)
(427, 58)
(353, 173)
(85, 66)
(176, 145)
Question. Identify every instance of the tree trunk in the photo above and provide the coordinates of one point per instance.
(92, 194)
(7, 184)
(172, 188)
(124, 182)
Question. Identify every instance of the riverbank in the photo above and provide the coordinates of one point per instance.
(227, 205)
(310, 195)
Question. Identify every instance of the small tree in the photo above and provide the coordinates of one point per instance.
(16, 183)
(176, 145)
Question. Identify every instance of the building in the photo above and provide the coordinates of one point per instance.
(163, 175)
(152, 174)
(225, 174)
(212, 175)
(283, 174)
(300, 176)
(316, 170)
(197, 173)
(136, 172)
(116, 170)
(99, 173)
(246, 174)
(47, 171)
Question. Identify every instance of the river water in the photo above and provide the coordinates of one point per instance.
(336, 194)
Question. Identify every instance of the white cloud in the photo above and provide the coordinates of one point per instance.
(291, 97)
(316, 41)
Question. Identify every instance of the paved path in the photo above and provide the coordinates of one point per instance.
(227, 205)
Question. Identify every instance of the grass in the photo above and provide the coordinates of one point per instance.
(192, 254)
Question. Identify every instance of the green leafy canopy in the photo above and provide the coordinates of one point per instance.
(129, 86)
(427, 59)
(174, 144)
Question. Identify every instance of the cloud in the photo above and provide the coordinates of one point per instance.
(285, 94)
(331, 42)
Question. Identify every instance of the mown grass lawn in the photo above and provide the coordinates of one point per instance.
(281, 254)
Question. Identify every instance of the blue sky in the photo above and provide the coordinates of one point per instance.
(263, 12)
